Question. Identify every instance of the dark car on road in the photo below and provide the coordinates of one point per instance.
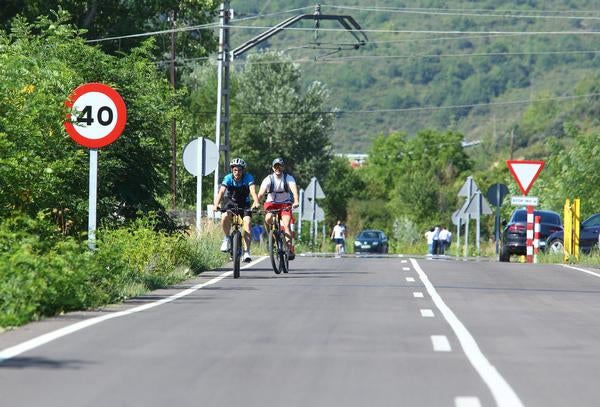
(371, 241)
(514, 235)
(588, 236)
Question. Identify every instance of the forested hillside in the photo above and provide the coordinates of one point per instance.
(473, 67)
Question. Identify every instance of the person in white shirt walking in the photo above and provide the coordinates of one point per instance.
(444, 238)
(339, 237)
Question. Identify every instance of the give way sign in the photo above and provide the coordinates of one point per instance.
(525, 172)
(97, 115)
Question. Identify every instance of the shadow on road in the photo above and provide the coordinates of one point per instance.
(40, 363)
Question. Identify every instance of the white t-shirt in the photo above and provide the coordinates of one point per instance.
(278, 195)
(429, 237)
(339, 232)
(444, 234)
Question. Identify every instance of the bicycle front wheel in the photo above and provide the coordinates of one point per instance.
(274, 251)
(236, 249)
(283, 254)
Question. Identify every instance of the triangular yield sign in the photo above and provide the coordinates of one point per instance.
(525, 172)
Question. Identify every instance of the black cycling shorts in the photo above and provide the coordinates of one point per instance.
(231, 205)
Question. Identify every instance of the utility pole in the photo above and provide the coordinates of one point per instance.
(225, 56)
(173, 122)
(223, 90)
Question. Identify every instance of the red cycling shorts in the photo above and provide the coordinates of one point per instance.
(286, 208)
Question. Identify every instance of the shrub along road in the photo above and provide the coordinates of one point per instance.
(352, 331)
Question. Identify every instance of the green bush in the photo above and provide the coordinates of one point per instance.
(41, 279)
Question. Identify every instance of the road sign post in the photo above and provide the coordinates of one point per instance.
(495, 194)
(525, 172)
(200, 158)
(96, 118)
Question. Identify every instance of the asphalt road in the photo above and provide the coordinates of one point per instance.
(334, 332)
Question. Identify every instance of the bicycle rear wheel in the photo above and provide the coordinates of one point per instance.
(236, 252)
(274, 251)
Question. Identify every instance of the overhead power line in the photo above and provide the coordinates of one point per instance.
(473, 9)
(416, 109)
(253, 27)
(438, 12)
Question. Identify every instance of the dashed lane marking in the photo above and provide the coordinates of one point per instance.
(501, 391)
(440, 343)
(427, 313)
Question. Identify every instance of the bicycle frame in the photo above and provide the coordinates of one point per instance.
(278, 244)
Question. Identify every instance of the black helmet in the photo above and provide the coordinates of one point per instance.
(278, 160)
(237, 162)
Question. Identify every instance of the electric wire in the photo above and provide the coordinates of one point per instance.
(339, 112)
(463, 14)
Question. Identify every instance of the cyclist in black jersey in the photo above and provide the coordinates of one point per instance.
(236, 188)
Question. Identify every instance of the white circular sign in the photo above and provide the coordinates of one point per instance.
(97, 115)
(200, 156)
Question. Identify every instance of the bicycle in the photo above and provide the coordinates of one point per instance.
(235, 238)
(278, 245)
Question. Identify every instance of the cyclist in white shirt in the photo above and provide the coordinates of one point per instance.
(282, 193)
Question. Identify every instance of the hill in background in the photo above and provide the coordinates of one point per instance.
(474, 67)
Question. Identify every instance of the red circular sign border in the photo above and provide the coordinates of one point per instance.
(121, 115)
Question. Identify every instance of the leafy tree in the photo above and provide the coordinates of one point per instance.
(273, 117)
(341, 184)
(41, 169)
(113, 18)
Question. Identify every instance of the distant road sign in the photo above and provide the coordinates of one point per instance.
(524, 201)
(97, 115)
(310, 190)
(200, 160)
(496, 193)
(468, 189)
(525, 172)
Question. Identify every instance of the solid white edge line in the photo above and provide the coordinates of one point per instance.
(16, 350)
(467, 401)
(582, 270)
(503, 394)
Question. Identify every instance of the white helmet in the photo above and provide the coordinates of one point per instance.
(238, 162)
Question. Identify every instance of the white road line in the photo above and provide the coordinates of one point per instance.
(427, 313)
(406, 268)
(440, 343)
(503, 394)
(467, 402)
(583, 270)
(418, 294)
(410, 279)
(16, 350)
(403, 261)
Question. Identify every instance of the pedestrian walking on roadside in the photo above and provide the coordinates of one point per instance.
(443, 240)
(429, 237)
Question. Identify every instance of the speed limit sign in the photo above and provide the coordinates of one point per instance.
(97, 115)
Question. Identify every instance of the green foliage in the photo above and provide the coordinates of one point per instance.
(275, 117)
(113, 18)
(40, 279)
(41, 169)
(340, 185)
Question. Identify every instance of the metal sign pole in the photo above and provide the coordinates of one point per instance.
(478, 232)
(301, 212)
(93, 196)
(314, 212)
(201, 169)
